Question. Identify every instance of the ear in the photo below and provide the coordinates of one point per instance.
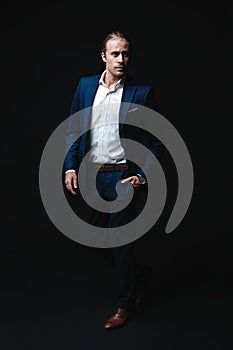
(103, 56)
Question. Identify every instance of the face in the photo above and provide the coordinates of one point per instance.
(116, 57)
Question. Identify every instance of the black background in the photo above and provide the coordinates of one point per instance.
(57, 293)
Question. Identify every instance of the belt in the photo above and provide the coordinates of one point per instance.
(111, 167)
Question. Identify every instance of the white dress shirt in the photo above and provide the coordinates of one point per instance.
(105, 139)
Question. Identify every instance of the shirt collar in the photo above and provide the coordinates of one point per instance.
(119, 83)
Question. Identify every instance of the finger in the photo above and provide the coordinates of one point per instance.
(128, 179)
(72, 191)
(134, 183)
(70, 188)
(75, 183)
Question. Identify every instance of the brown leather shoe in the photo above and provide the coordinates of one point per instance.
(117, 319)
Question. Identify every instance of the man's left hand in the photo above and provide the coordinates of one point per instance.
(134, 180)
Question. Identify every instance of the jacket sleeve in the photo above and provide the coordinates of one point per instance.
(152, 143)
(72, 141)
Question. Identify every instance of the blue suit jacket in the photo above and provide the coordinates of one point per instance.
(133, 92)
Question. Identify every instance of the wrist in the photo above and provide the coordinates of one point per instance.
(141, 179)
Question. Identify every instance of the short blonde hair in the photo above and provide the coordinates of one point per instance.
(116, 34)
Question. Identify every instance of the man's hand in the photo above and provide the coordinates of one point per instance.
(71, 182)
(134, 180)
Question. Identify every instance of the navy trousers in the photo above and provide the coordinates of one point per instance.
(122, 257)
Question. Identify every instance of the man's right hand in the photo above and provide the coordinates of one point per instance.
(71, 182)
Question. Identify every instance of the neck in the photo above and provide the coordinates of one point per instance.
(110, 80)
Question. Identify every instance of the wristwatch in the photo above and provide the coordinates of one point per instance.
(142, 181)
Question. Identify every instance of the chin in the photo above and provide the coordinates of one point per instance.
(120, 74)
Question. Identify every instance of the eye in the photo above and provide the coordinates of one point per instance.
(126, 54)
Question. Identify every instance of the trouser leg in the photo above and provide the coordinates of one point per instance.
(123, 256)
(125, 276)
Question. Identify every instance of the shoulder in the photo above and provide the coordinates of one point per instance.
(139, 86)
(85, 82)
(87, 79)
(129, 81)
(144, 93)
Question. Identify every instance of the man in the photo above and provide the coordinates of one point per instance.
(108, 157)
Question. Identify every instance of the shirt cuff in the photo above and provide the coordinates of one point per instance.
(70, 171)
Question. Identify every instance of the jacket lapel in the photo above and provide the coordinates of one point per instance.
(89, 95)
(128, 95)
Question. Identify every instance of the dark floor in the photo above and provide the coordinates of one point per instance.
(57, 294)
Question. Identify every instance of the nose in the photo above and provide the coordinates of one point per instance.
(121, 57)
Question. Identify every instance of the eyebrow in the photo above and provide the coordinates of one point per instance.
(115, 51)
